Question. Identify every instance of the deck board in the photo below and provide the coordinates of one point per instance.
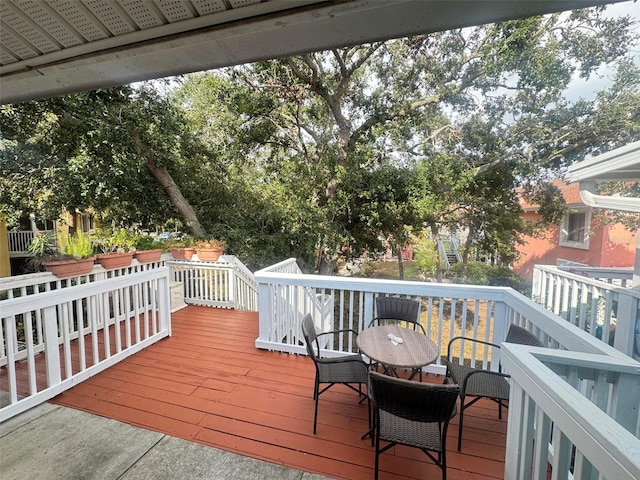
(208, 383)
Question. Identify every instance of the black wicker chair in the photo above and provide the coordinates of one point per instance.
(347, 370)
(398, 310)
(479, 383)
(414, 414)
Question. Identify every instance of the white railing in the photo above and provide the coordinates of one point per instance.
(34, 283)
(19, 241)
(446, 311)
(245, 286)
(75, 332)
(575, 413)
(622, 277)
(225, 283)
(604, 310)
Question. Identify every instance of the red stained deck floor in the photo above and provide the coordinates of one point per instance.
(208, 383)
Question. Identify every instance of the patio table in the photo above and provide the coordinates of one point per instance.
(415, 351)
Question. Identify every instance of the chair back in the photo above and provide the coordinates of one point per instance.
(394, 308)
(517, 334)
(415, 401)
(310, 335)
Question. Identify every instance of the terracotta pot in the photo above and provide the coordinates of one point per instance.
(209, 254)
(146, 256)
(69, 268)
(182, 253)
(114, 260)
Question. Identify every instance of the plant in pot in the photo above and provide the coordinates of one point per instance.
(209, 250)
(116, 246)
(76, 258)
(147, 249)
(182, 249)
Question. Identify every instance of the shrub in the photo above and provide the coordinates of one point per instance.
(479, 273)
(425, 259)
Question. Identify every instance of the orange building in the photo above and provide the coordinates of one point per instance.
(580, 239)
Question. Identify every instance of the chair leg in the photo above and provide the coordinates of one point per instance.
(461, 413)
(315, 397)
(375, 471)
(442, 457)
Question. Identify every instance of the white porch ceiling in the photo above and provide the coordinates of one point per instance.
(53, 47)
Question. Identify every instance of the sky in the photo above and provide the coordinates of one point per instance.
(587, 89)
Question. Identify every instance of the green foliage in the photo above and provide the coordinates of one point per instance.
(78, 245)
(185, 241)
(146, 242)
(479, 273)
(327, 154)
(113, 240)
(43, 244)
(211, 243)
(425, 258)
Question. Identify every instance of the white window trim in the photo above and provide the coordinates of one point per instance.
(584, 245)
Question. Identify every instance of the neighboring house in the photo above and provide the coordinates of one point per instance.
(581, 239)
(14, 244)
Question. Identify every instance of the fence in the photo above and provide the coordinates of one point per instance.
(446, 311)
(54, 339)
(604, 310)
(226, 283)
(19, 241)
(574, 413)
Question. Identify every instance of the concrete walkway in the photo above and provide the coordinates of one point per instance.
(51, 442)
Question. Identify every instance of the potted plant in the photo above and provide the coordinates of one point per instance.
(182, 249)
(209, 250)
(76, 258)
(147, 249)
(116, 246)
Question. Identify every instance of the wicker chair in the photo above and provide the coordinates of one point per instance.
(345, 370)
(414, 414)
(479, 383)
(395, 310)
(398, 310)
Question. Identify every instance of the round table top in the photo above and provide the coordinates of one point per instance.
(416, 350)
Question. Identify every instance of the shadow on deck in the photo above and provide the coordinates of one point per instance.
(208, 384)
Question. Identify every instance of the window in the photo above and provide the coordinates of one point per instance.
(575, 229)
(87, 224)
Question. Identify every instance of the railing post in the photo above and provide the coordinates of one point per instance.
(625, 324)
(164, 303)
(231, 287)
(51, 348)
(536, 285)
(265, 312)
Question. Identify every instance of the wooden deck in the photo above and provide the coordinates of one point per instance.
(208, 383)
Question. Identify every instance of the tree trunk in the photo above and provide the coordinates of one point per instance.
(164, 178)
(434, 233)
(400, 264)
(326, 263)
(465, 255)
(183, 206)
